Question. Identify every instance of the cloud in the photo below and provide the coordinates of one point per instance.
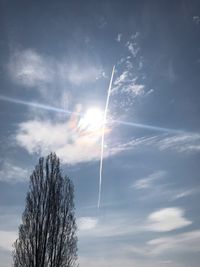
(122, 78)
(180, 143)
(129, 77)
(132, 45)
(119, 37)
(117, 259)
(79, 73)
(186, 142)
(32, 69)
(11, 174)
(196, 19)
(186, 193)
(167, 219)
(135, 89)
(87, 223)
(125, 83)
(7, 239)
(102, 22)
(71, 143)
(111, 226)
(149, 180)
(184, 243)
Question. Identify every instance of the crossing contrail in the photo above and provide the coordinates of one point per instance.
(36, 105)
(68, 112)
(148, 127)
(103, 135)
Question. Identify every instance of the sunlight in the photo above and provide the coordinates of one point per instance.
(92, 120)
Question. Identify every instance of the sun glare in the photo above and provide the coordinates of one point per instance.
(92, 120)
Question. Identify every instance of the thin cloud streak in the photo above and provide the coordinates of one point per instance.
(103, 135)
(148, 127)
(148, 181)
(11, 173)
(36, 105)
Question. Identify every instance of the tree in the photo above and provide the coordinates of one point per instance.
(47, 235)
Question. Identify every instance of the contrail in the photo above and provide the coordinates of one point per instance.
(148, 127)
(103, 135)
(36, 105)
(68, 112)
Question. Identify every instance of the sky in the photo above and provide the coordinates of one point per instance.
(56, 59)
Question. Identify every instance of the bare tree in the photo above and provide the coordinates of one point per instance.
(47, 235)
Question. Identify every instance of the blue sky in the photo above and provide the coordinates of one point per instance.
(56, 62)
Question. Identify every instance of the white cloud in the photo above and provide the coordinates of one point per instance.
(167, 219)
(87, 223)
(71, 143)
(184, 243)
(135, 89)
(181, 143)
(186, 193)
(117, 259)
(132, 45)
(11, 173)
(80, 73)
(196, 19)
(30, 69)
(149, 180)
(125, 83)
(7, 239)
(130, 77)
(102, 22)
(111, 226)
(119, 37)
(122, 78)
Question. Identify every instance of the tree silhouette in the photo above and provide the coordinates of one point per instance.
(47, 235)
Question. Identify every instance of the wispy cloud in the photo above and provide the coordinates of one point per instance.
(181, 143)
(163, 220)
(186, 142)
(129, 80)
(87, 223)
(184, 243)
(72, 145)
(111, 226)
(11, 173)
(186, 193)
(7, 239)
(132, 45)
(119, 37)
(167, 219)
(117, 259)
(196, 19)
(148, 181)
(32, 69)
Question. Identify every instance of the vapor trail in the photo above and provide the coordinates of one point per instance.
(148, 127)
(103, 135)
(36, 105)
(59, 110)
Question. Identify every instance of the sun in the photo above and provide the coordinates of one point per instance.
(92, 120)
